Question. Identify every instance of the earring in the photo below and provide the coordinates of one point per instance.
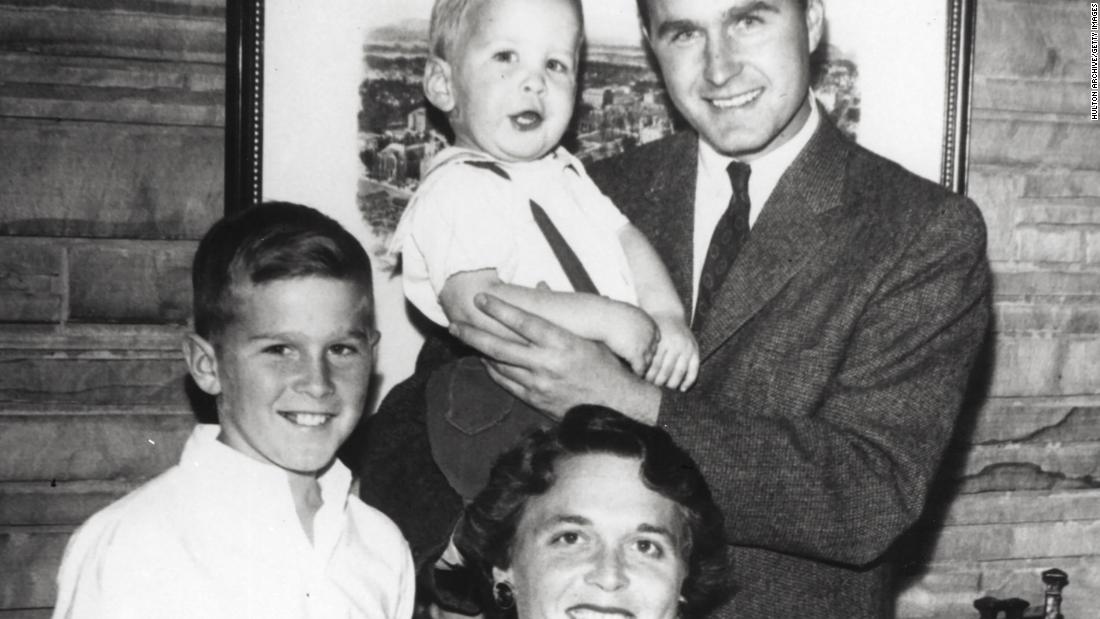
(503, 595)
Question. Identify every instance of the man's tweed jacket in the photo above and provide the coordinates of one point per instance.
(834, 363)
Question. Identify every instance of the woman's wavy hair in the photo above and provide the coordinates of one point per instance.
(486, 533)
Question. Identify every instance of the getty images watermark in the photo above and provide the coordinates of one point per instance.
(1094, 60)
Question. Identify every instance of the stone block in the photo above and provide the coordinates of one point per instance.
(148, 282)
(104, 377)
(996, 192)
(92, 31)
(90, 447)
(76, 339)
(1068, 212)
(1019, 318)
(128, 74)
(30, 282)
(112, 90)
(123, 105)
(50, 502)
(27, 613)
(995, 185)
(1038, 39)
(1008, 285)
(29, 557)
(1051, 244)
(1063, 184)
(1047, 540)
(1080, 374)
(1016, 139)
(1025, 366)
(1068, 461)
(1092, 244)
(1017, 477)
(192, 8)
(1022, 423)
(1024, 506)
(1043, 95)
(87, 179)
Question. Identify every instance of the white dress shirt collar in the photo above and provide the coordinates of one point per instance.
(226, 470)
(713, 190)
(766, 170)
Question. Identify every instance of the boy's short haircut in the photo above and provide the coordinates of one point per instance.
(276, 240)
(448, 17)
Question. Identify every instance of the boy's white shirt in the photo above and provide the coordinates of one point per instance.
(463, 218)
(218, 536)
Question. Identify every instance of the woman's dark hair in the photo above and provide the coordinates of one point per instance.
(486, 533)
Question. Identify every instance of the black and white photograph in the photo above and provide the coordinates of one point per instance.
(664, 309)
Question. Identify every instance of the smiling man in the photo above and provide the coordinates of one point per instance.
(838, 300)
(739, 72)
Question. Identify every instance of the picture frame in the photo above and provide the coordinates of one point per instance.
(324, 108)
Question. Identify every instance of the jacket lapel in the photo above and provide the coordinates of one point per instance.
(784, 238)
(671, 197)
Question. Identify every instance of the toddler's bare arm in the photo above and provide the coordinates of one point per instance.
(628, 331)
(676, 363)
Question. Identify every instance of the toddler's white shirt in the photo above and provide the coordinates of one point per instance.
(465, 218)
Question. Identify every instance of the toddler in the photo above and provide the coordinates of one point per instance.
(508, 211)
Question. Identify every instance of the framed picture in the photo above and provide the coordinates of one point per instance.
(325, 107)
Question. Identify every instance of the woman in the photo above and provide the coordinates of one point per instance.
(599, 515)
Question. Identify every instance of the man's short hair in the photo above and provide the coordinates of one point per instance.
(448, 21)
(272, 241)
(643, 10)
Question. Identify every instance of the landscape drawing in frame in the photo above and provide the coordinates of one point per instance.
(325, 107)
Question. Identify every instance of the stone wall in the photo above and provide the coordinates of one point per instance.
(111, 168)
(1022, 491)
(111, 115)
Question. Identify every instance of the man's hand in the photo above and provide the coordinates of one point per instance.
(556, 370)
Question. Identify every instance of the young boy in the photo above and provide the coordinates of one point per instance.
(505, 73)
(257, 519)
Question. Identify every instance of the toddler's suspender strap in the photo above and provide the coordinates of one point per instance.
(574, 270)
(572, 266)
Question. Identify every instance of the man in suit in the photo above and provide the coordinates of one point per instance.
(838, 313)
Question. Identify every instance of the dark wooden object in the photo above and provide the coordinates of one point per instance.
(1014, 608)
(1055, 580)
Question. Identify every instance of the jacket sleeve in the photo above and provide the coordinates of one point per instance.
(840, 484)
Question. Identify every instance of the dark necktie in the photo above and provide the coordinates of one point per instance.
(729, 236)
